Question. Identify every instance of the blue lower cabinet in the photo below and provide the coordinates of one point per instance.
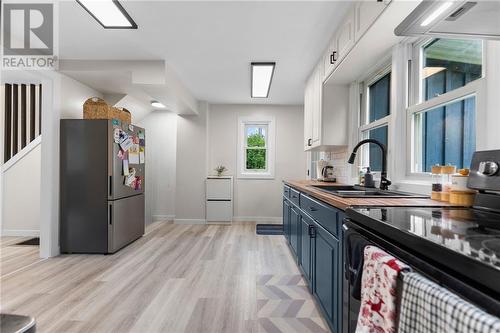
(312, 231)
(305, 262)
(286, 218)
(327, 274)
(294, 229)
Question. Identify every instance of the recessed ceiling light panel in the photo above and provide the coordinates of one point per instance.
(109, 13)
(262, 75)
(157, 104)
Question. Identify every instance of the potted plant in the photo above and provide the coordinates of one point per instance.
(220, 169)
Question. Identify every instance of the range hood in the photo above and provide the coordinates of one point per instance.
(459, 19)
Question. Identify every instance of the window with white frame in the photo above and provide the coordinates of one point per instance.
(256, 140)
(442, 116)
(375, 115)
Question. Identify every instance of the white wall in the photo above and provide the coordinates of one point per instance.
(191, 167)
(257, 199)
(21, 199)
(161, 145)
(73, 95)
(22, 181)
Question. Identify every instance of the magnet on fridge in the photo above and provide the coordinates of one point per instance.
(141, 135)
(117, 133)
(125, 142)
(126, 170)
(142, 142)
(138, 183)
(116, 123)
(131, 127)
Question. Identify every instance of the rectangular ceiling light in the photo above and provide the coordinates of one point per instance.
(262, 75)
(435, 14)
(109, 13)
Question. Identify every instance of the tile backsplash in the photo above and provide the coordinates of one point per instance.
(337, 159)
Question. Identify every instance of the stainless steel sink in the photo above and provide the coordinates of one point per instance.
(352, 191)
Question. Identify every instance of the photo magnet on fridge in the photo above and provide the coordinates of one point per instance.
(126, 142)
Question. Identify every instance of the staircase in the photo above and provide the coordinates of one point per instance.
(22, 122)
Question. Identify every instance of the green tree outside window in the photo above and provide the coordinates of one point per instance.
(256, 156)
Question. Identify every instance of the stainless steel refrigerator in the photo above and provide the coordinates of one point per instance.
(99, 212)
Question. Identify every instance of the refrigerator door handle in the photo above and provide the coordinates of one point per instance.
(110, 214)
(111, 186)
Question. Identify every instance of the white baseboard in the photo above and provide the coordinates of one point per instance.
(157, 218)
(273, 219)
(21, 233)
(190, 221)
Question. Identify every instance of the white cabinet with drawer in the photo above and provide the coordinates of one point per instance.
(219, 199)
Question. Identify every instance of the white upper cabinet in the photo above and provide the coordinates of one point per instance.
(312, 108)
(356, 22)
(316, 111)
(340, 45)
(344, 38)
(366, 12)
(308, 123)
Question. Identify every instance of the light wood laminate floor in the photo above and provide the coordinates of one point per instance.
(14, 257)
(177, 278)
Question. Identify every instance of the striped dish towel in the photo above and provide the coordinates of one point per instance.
(378, 292)
(428, 307)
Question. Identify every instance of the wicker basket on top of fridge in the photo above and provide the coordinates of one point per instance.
(97, 108)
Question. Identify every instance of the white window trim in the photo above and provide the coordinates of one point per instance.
(270, 122)
(416, 104)
(382, 70)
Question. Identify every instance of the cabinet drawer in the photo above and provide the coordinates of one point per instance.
(295, 196)
(326, 216)
(219, 211)
(286, 191)
(219, 189)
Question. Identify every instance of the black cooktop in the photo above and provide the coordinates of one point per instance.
(470, 232)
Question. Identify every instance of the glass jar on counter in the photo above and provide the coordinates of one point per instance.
(437, 182)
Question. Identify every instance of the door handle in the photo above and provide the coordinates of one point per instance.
(110, 186)
(110, 214)
(312, 231)
(333, 57)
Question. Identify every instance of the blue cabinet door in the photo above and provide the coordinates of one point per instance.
(286, 219)
(294, 229)
(305, 247)
(327, 275)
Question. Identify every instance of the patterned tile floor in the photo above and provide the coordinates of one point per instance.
(284, 304)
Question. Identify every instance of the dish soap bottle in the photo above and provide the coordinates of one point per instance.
(369, 182)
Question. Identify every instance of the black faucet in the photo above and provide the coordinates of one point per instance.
(384, 182)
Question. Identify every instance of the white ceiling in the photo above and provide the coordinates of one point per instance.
(210, 44)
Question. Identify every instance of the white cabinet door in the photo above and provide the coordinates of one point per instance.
(366, 12)
(219, 189)
(328, 63)
(308, 115)
(344, 38)
(219, 211)
(317, 84)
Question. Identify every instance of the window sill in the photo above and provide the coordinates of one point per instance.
(251, 175)
(414, 186)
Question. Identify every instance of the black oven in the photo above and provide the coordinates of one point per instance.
(356, 236)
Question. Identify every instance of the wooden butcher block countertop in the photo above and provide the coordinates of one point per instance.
(344, 203)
